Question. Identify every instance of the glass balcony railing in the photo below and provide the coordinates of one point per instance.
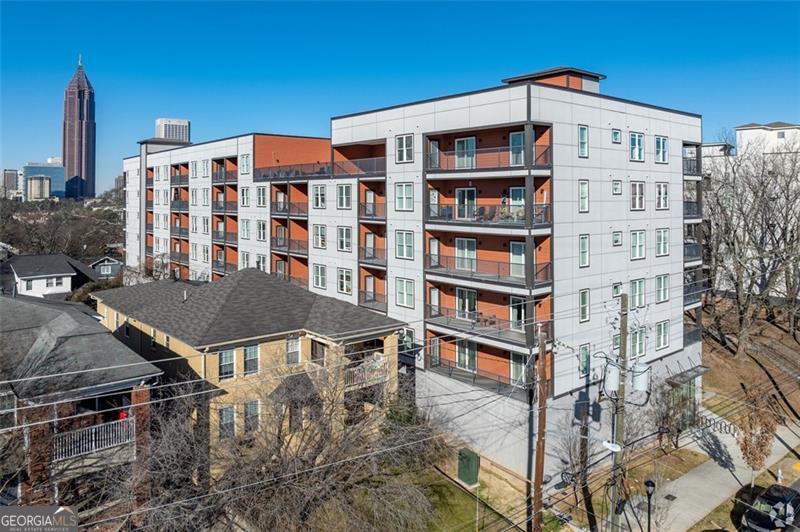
(485, 270)
(691, 166)
(372, 211)
(481, 323)
(692, 251)
(371, 166)
(691, 209)
(486, 159)
(292, 171)
(372, 255)
(372, 300)
(491, 212)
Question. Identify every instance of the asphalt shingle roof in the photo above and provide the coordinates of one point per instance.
(246, 304)
(42, 265)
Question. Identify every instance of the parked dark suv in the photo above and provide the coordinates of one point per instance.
(774, 509)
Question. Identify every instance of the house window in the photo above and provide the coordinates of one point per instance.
(616, 238)
(166, 341)
(244, 163)
(404, 244)
(584, 353)
(28, 285)
(261, 228)
(320, 236)
(662, 288)
(583, 304)
(616, 136)
(244, 259)
(405, 148)
(583, 251)
(320, 276)
(344, 280)
(637, 245)
(206, 165)
(405, 293)
(662, 196)
(662, 334)
(662, 151)
(245, 228)
(404, 197)
(193, 196)
(637, 342)
(466, 355)
(344, 197)
(292, 351)
(662, 242)
(583, 141)
(344, 238)
(261, 262)
(251, 415)
(637, 147)
(50, 282)
(206, 253)
(637, 195)
(637, 293)
(261, 196)
(226, 364)
(193, 224)
(616, 289)
(227, 425)
(616, 187)
(206, 225)
(206, 196)
(250, 359)
(193, 169)
(583, 195)
(318, 196)
(245, 197)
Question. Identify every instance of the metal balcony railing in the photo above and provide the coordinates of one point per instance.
(691, 334)
(485, 270)
(182, 232)
(692, 251)
(367, 373)
(223, 266)
(372, 255)
(481, 323)
(148, 228)
(279, 243)
(370, 166)
(293, 171)
(179, 179)
(506, 385)
(495, 212)
(148, 204)
(486, 159)
(372, 300)
(297, 208)
(224, 207)
(279, 207)
(298, 246)
(148, 250)
(372, 211)
(148, 181)
(224, 176)
(691, 166)
(691, 209)
(92, 439)
(179, 205)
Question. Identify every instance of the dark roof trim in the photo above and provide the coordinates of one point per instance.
(546, 85)
(156, 140)
(553, 72)
(771, 125)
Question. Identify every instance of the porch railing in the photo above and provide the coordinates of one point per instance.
(367, 373)
(92, 439)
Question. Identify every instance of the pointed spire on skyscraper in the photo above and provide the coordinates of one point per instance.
(80, 60)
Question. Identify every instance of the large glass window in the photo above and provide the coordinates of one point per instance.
(583, 195)
(662, 152)
(637, 245)
(637, 293)
(344, 280)
(662, 242)
(466, 355)
(318, 196)
(584, 352)
(292, 351)
(465, 153)
(252, 410)
(404, 244)
(637, 195)
(662, 334)
(662, 196)
(662, 288)
(516, 141)
(344, 197)
(405, 292)
(405, 148)
(320, 276)
(344, 238)
(404, 197)
(227, 425)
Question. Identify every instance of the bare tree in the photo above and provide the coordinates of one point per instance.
(576, 450)
(758, 426)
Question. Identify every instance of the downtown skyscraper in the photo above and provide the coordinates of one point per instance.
(79, 136)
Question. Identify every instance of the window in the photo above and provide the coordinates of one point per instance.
(583, 141)
(105, 270)
(261, 196)
(616, 136)
(318, 196)
(404, 244)
(227, 425)
(404, 197)
(662, 334)
(152, 337)
(193, 169)
(583, 304)
(226, 364)
(516, 147)
(615, 343)
(583, 251)
(616, 238)
(206, 224)
(244, 259)
(320, 276)
(662, 196)
(261, 262)
(584, 360)
(465, 153)
(583, 195)
(662, 152)
(193, 224)
(405, 148)
(616, 187)
(261, 229)
(344, 281)
(320, 236)
(244, 196)
(637, 195)
(292, 351)
(616, 289)
(662, 288)
(250, 359)
(245, 228)
(344, 197)
(637, 293)
(637, 147)
(244, 163)
(193, 196)
(637, 245)
(344, 238)
(50, 282)
(28, 285)
(405, 293)
(206, 196)
(251, 415)
(637, 342)
(662, 242)
(466, 355)
(205, 253)
(781, 135)
(205, 165)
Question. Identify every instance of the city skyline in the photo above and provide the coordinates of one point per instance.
(78, 137)
(285, 91)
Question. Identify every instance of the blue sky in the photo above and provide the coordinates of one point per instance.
(287, 68)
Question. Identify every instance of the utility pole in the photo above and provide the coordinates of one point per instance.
(619, 411)
(541, 380)
(529, 380)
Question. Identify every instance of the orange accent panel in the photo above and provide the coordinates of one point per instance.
(277, 150)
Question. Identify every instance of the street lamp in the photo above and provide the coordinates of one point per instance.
(650, 488)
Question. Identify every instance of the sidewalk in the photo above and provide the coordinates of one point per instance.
(710, 484)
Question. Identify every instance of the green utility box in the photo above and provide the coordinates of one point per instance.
(468, 465)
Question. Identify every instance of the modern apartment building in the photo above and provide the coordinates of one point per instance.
(173, 129)
(469, 216)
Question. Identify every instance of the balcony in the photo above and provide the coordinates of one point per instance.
(180, 258)
(92, 439)
(302, 282)
(278, 243)
(292, 171)
(223, 267)
(372, 300)
(691, 166)
(298, 209)
(148, 182)
(224, 176)
(692, 251)
(179, 205)
(371, 166)
(481, 324)
(486, 159)
(372, 211)
(487, 380)
(691, 209)
(283, 208)
(148, 250)
(180, 232)
(367, 373)
(148, 205)
(224, 237)
(485, 270)
(299, 247)
(372, 256)
(692, 292)
(691, 334)
(279, 207)
(223, 207)
(179, 180)
(488, 213)
(148, 228)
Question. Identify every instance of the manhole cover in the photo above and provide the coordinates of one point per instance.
(670, 497)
